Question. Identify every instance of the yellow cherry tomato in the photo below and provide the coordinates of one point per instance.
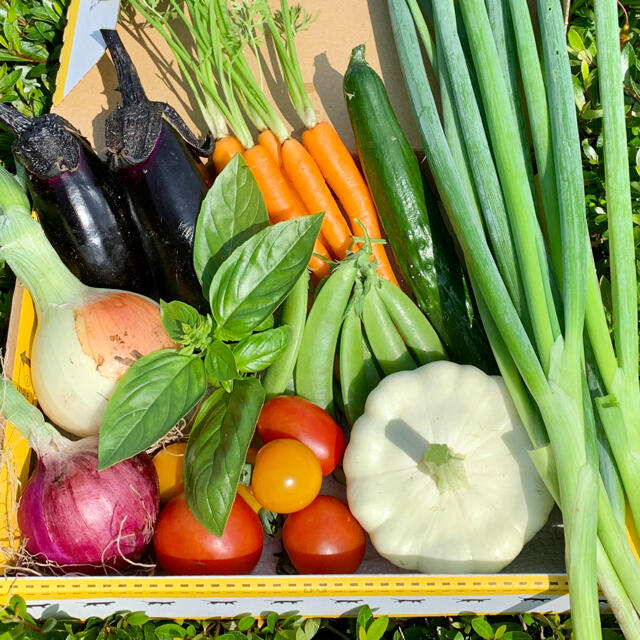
(286, 476)
(168, 463)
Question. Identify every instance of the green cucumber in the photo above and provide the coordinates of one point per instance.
(412, 222)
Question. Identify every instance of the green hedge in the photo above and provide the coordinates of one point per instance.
(16, 623)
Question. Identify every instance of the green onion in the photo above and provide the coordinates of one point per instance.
(477, 145)
(503, 36)
(538, 113)
(548, 381)
(621, 241)
(625, 397)
(504, 134)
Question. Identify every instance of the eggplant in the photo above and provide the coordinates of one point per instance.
(152, 149)
(86, 216)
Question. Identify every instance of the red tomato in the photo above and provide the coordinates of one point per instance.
(184, 546)
(324, 538)
(297, 418)
(286, 476)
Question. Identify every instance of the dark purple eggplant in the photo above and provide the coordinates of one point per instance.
(86, 216)
(151, 147)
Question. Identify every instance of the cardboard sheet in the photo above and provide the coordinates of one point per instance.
(323, 51)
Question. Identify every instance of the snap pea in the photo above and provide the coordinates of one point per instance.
(411, 323)
(314, 368)
(371, 368)
(388, 347)
(358, 373)
(294, 314)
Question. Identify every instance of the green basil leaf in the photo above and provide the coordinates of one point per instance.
(216, 452)
(233, 210)
(258, 276)
(267, 324)
(175, 315)
(261, 350)
(156, 392)
(219, 363)
(185, 325)
(205, 432)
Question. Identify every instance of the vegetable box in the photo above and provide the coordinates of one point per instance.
(533, 582)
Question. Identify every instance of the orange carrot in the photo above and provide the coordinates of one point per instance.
(271, 143)
(280, 199)
(224, 150)
(307, 180)
(342, 175)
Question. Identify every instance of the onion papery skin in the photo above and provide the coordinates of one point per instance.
(83, 347)
(85, 520)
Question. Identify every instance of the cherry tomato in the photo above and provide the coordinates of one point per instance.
(297, 418)
(286, 476)
(324, 538)
(168, 463)
(183, 546)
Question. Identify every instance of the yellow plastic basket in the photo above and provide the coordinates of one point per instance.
(214, 596)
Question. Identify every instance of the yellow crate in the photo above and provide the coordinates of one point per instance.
(215, 596)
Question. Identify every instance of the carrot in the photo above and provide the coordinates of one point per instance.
(280, 199)
(224, 150)
(307, 180)
(341, 173)
(268, 139)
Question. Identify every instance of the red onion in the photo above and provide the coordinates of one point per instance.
(72, 514)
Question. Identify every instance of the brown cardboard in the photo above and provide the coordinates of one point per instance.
(323, 51)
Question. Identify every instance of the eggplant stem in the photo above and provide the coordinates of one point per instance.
(130, 85)
(204, 148)
(13, 120)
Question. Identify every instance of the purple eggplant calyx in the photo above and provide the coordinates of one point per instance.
(204, 148)
(46, 146)
(131, 134)
(132, 130)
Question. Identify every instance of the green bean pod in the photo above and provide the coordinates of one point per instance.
(389, 349)
(294, 314)
(358, 372)
(314, 368)
(411, 323)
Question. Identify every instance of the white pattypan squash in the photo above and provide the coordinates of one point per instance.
(438, 471)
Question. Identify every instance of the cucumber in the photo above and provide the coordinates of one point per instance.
(412, 222)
